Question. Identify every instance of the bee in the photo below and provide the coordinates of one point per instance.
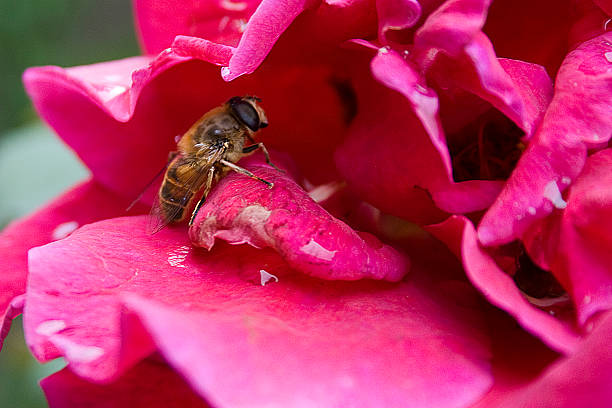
(205, 153)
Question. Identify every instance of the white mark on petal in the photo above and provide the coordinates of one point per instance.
(324, 191)
(531, 210)
(384, 50)
(111, 91)
(75, 352)
(566, 180)
(266, 277)
(49, 327)
(230, 5)
(64, 229)
(177, 256)
(587, 299)
(552, 193)
(225, 72)
(313, 248)
(223, 23)
(608, 56)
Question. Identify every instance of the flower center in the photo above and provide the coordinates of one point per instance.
(486, 149)
(533, 280)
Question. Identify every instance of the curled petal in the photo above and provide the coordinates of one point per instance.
(130, 111)
(285, 218)
(577, 118)
(150, 384)
(404, 157)
(396, 15)
(499, 288)
(580, 252)
(220, 21)
(83, 204)
(106, 294)
(579, 380)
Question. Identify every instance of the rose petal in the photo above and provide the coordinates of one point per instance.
(285, 218)
(396, 15)
(499, 288)
(404, 154)
(578, 117)
(579, 380)
(149, 384)
(125, 125)
(235, 340)
(217, 21)
(580, 253)
(55, 221)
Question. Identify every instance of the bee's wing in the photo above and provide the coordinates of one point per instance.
(158, 220)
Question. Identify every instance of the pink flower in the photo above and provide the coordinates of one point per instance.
(330, 300)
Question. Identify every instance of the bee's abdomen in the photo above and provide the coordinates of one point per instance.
(175, 195)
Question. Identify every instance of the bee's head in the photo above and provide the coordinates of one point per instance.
(247, 110)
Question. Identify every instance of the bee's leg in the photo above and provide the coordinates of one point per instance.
(245, 172)
(261, 146)
(209, 181)
(171, 156)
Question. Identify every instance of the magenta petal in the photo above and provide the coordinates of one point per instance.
(55, 221)
(579, 380)
(578, 117)
(499, 288)
(575, 244)
(218, 21)
(405, 156)
(150, 384)
(235, 341)
(266, 25)
(285, 218)
(396, 15)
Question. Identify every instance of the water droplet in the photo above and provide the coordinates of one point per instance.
(575, 84)
(552, 193)
(566, 180)
(64, 229)
(608, 56)
(266, 277)
(531, 210)
(384, 50)
(177, 256)
(595, 136)
(49, 327)
(225, 72)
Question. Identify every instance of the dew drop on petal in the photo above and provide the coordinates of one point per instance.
(384, 50)
(177, 256)
(266, 277)
(64, 229)
(566, 180)
(552, 193)
(225, 72)
(49, 327)
(531, 210)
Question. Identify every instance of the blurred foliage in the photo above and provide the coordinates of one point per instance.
(56, 32)
(20, 372)
(35, 165)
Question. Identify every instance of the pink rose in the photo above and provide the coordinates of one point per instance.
(380, 112)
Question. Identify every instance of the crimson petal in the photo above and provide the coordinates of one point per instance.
(235, 340)
(85, 203)
(577, 118)
(499, 288)
(285, 218)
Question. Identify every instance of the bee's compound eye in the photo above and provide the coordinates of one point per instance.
(247, 114)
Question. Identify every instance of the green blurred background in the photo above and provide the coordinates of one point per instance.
(44, 32)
